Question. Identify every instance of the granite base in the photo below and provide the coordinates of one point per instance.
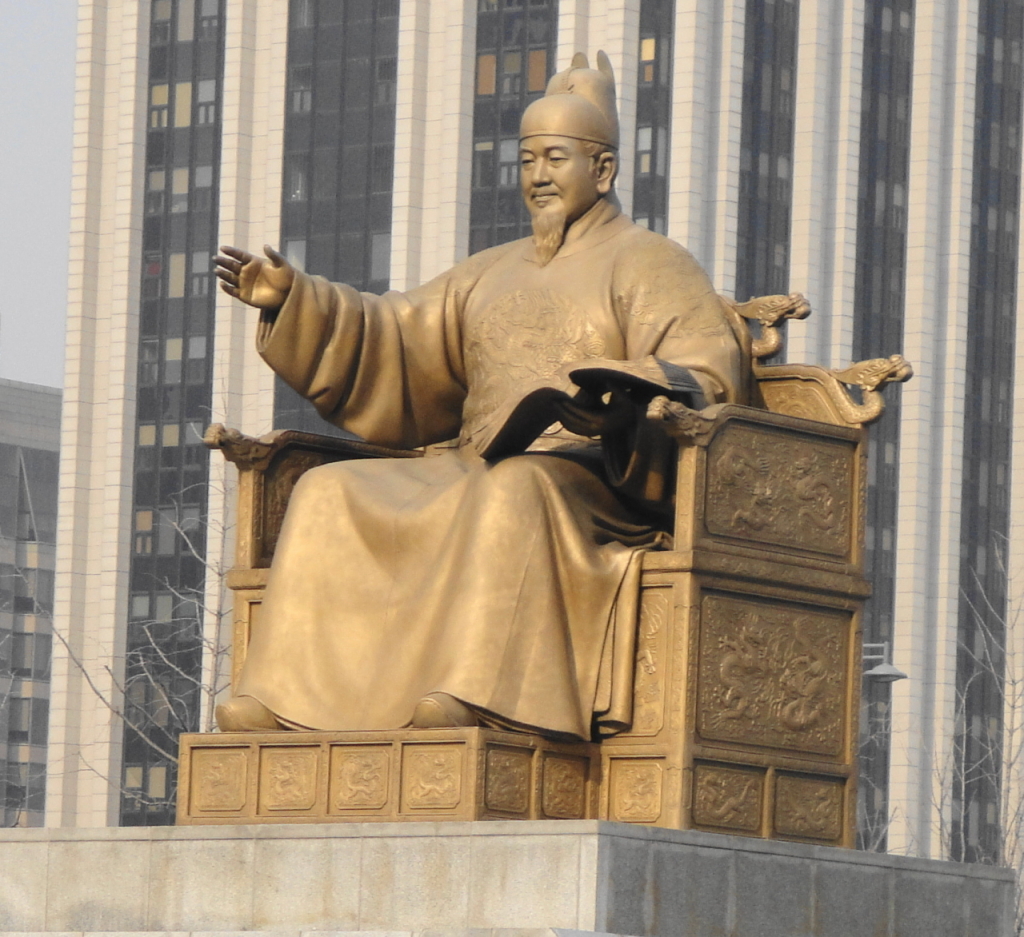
(453, 878)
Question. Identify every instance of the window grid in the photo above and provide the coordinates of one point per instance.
(515, 49)
(987, 430)
(174, 385)
(653, 114)
(878, 332)
(339, 154)
(766, 134)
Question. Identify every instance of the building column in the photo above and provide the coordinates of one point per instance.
(931, 428)
(826, 158)
(97, 444)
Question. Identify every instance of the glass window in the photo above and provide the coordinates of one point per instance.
(295, 253)
(179, 190)
(158, 101)
(155, 182)
(183, 104)
(149, 366)
(158, 778)
(508, 162)
(161, 10)
(147, 434)
(175, 276)
(139, 607)
(133, 776)
(170, 435)
(166, 533)
(380, 257)
(537, 73)
(486, 74)
(144, 532)
(186, 20)
(302, 13)
(164, 607)
(302, 89)
(297, 184)
(206, 98)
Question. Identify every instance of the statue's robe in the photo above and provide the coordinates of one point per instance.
(510, 584)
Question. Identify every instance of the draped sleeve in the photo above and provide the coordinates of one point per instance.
(668, 308)
(387, 368)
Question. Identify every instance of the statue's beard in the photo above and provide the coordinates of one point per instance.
(548, 233)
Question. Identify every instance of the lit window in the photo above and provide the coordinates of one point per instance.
(139, 607)
(158, 776)
(133, 776)
(147, 434)
(648, 55)
(511, 73)
(170, 435)
(161, 10)
(155, 183)
(158, 100)
(186, 20)
(486, 66)
(183, 104)
(537, 70)
(175, 276)
(206, 101)
(179, 190)
(172, 366)
(144, 532)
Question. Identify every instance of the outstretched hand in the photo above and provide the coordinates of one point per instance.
(258, 282)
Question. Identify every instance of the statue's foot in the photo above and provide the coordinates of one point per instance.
(442, 711)
(245, 714)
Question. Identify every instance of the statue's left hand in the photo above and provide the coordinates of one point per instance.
(588, 417)
(258, 282)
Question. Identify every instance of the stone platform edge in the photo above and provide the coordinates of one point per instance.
(475, 877)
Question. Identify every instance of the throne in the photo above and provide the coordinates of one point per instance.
(746, 682)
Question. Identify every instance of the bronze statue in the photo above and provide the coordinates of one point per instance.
(496, 582)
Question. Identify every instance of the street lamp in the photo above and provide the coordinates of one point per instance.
(883, 671)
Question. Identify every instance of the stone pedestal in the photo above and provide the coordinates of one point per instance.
(452, 877)
(403, 774)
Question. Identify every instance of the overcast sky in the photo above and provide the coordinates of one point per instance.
(37, 69)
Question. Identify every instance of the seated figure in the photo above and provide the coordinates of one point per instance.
(497, 582)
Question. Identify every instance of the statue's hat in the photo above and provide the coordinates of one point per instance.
(578, 103)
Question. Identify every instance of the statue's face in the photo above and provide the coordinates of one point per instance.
(559, 176)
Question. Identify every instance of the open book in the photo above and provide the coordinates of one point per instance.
(524, 417)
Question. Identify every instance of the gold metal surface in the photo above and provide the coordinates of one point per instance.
(722, 675)
(407, 774)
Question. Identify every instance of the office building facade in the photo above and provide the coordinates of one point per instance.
(865, 152)
(29, 451)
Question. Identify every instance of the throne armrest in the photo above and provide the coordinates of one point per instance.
(268, 468)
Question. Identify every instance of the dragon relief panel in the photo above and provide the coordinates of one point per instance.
(635, 790)
(431, 777)
(772, 675)
(728, 797)
(780, 488)
(288, 778)
(359, 777)
(219, 779)
(564, 787)
(811, 808)
(507, 786)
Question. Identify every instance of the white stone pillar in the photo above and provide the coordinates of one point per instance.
(97, 444)
(931, 441)
(826, 158)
